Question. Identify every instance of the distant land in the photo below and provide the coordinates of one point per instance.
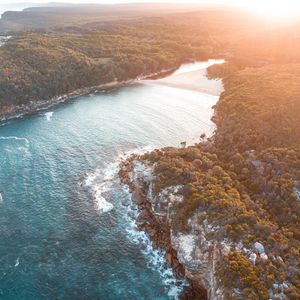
(30, 16)
(19, 6)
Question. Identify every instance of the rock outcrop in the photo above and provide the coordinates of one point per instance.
(182, 251)
(200, 252)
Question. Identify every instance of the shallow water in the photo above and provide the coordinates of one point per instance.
(67, 225)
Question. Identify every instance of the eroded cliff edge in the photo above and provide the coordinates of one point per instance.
(154, 219)
(227, 210)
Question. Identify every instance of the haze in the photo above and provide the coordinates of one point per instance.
(276, 10)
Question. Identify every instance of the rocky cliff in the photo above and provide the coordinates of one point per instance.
(205, 254)
(190, 255)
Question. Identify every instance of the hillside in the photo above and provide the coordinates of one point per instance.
(39, 65)
(79, 47)
(60, 15)
(240, 189)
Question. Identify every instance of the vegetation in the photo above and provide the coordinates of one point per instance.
(72, 48)
(36, 66)
(245, 178)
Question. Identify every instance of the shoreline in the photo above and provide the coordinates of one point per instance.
(153, 220)
(34, 107)
(157, 227)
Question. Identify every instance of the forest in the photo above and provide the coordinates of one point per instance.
(245, 178)
(80, 52)
(87, 48)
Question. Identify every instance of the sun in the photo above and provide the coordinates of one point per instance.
(275, 9)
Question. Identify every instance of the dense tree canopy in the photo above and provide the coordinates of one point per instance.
(246, 178)
(78, 52)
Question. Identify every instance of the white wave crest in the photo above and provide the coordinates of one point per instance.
(49, 115)
(100, 182)
(17, 262)
(102, 204)
(156, 259)
(136, 151)
(22, 144)
(14, 138)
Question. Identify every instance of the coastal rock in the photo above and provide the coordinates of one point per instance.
(155, 222)
(252, 258)
(259, 247)
(144, 216)
(195, 254)
(185, 245)
(297, 193)
(264, 256)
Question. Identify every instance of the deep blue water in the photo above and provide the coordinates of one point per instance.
(56, 172)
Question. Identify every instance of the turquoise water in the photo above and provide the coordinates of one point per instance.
(67, 225)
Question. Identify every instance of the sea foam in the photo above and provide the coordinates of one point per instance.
(17, 262)
(101, 183)
(48, 115)
(14, 138)
(156, 259)
(22, 144)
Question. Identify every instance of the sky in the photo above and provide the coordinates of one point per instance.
(268, 8)
(231, 2)
(116, 1)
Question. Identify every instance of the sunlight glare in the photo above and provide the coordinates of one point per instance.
(275, 9)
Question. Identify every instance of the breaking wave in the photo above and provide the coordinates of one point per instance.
(155, 257)
(14, 138)
(101, 183)
(21, 145)
(49, 115)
